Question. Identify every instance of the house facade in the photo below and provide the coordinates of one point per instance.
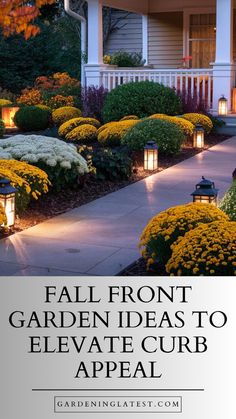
(187, 45)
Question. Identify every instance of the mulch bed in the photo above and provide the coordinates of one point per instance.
(138, 268)
(54, 204)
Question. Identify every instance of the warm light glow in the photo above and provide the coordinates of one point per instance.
(198, 139)
(222, 106)
(205, 200)
(8, 114)
(8, 203)
(150, 157)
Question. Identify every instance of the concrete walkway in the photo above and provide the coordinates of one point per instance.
(101, 238)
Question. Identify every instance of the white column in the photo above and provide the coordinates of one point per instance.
(223, 68)
(145, 37)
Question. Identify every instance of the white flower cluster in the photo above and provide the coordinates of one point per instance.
(35, 148)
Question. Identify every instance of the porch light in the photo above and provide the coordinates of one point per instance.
(150, 156)
(222, 106)
(8, 114)
(198, 136)
(7, 199)
(205, 192)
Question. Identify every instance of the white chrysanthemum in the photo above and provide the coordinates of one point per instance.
(65, 164)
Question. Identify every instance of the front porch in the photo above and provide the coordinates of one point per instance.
(206, 32)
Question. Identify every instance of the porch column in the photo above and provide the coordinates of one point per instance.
(224, 67)
(145, 38)
(95, 64)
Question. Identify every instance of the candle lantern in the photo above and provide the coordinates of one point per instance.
(8, 114)
(198, 136)
(7, 199)
(222, 106)
(205, 192)
(150, 156)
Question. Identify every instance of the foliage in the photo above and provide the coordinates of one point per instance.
(36, 179)
(68, 126)
(93, 99)
(209, 249)
(32, 118)
(186, 126)
(59, 160)
(127, 59)
(83, 134)
(127, 117)
(112, 164)
(18, 16)
(64, 114)
(2, 128)
(3, 218)
(228, 203)
(142, 99)
(167, 226)
(30, 97)
(168, 136)
(198, 118)
(6, 95)
(192, 103)
(113, 133)
(5, 102)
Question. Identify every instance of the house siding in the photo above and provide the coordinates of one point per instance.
(129, 36)
(165, 35)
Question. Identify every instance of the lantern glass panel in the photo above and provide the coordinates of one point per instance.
(198, 139)
(8, 203)
(150, 159)
(223, 106)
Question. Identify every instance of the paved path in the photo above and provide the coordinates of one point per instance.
(101, 238)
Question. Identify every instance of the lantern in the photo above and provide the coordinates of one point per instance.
(222, 106)
(8, 114)
(198, 136)
(205, 192)
(7, 199)
(150, 156)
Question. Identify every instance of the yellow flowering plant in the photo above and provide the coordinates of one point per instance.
(83, 134)
(128, 117)
(186, 126)
(113, 133)
(198, 118)
(209, 249)
(65, 113)
(167, 226)
(5, 102)
(68, 126)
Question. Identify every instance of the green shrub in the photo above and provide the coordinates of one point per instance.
(32, 118)
(228, 203)
(2, 128)
(166, 227)
(112, 164)
(127, 59)
(142, 99)
(65, 113)
(167, 135)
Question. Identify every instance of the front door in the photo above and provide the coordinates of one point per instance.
(202, 39)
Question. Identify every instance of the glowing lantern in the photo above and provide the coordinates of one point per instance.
(150, 156)
(205, 192)
(198, 136)
(222, 106)
(7, 199)
(8, 114)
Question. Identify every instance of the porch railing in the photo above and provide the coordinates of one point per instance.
(197, 82)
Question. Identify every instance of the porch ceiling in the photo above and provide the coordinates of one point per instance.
(137, 6)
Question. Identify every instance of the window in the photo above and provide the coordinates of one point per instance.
(202, 39)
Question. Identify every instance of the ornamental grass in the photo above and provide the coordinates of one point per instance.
(166, 227)
(209, 249)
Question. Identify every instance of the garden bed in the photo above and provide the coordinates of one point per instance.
(53, 204)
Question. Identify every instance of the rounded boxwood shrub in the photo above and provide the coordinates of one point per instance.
(167, 135)
(209, 249)
(68, 126)
(186, 126)
(32, 118)
(198, 118)
(142, 99)
(228, 203)
(65, 113)
(114, 132)
(167, 226)
(83, 134)
(2, 128)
